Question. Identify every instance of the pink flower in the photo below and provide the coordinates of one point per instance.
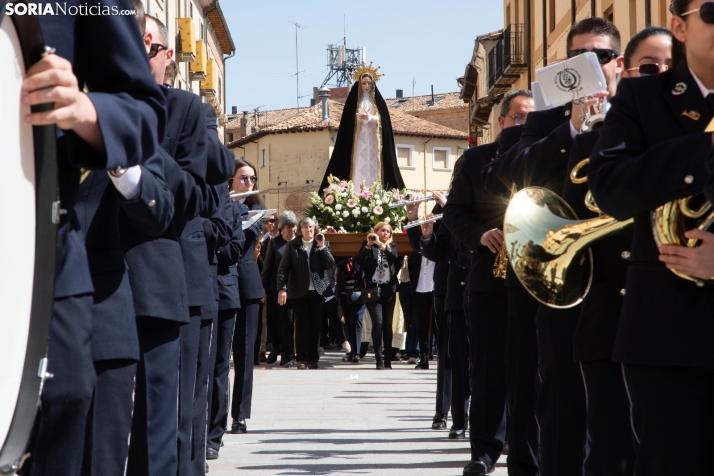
(329, 200)
(378, 210)
(367, 194)
(351, 203)
(397, 197)
(343, 185)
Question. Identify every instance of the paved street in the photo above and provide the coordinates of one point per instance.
(343, 419)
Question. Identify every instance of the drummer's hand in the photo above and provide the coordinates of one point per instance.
(493, 239)
(282, 297)
(697, 262)
(412, 211)
(427, 228)
(51, 80)
(440, 198)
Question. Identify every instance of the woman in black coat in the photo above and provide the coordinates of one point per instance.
(376, 260)
(302, 279)
(287, 227)
(251, 292)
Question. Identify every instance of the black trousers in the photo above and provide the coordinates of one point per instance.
(154, 428)
(200, 394)
(109, 423)
(673, 418)
(458, 355)
(332, 323)
(382, 313)
(521, 369)
(610, 437)
(287, 329)
(66, 398)
(561, 409)
(354, 314)
(444, 382)
(308, 323)
(487, 330)
(246, 329)
(423, 307)
(219, 389)
(273, 321)
(406, 300)
(190, 343)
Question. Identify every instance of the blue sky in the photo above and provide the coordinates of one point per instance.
(428, 41)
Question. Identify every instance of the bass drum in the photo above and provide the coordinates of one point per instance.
(28, 190)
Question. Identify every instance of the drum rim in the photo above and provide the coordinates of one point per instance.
(46, 180)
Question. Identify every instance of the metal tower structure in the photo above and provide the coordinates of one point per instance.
(342, 62)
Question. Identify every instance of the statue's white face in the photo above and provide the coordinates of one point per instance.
(366, 84)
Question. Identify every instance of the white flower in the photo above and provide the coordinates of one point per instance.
(378, 202)
(346, 214)
(365, 209)
(387, 220)
(338, 207)
(355, 212)
(344, 194)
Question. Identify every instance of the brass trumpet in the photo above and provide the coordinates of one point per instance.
(549, 247)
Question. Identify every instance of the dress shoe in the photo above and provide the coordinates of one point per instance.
(312, 365)
(505, 448)
(423, 363)
(412, 360)
(478, 468)
(211, 453)
(388, 364)
(456, 433)
(239, 426)
(273, 358)
(261, 357)
(439, 422)
(290, 363)
(380, 360)
(356, 359)
(302, 366)
(347, 358)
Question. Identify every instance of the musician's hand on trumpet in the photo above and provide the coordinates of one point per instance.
(427, 228)
(697, 261)
(51, 80)
(493, 240)
(586, 107)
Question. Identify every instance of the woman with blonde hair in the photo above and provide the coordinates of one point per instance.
(378, 279)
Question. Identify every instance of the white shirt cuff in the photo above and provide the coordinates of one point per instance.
(573, 132)
(129, 184)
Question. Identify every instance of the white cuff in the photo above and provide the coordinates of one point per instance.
(129, 184)
(573, 132)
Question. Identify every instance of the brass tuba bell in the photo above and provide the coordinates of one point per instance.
(548, 247)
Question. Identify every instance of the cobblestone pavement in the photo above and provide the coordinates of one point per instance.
(343, 419)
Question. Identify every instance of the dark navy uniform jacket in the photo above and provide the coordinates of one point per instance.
(600, 310)
(222, 162)
(443, 247)
(441, 268)
(649, 153)
(249, 281)
(130, 109)
(228, 256)
(218, 233)
(471, 210)
(98, 209)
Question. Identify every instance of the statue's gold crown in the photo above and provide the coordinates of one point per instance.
(371, 70)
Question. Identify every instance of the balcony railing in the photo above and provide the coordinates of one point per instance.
(507, 59)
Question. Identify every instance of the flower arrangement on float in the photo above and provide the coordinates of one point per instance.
(342, 210)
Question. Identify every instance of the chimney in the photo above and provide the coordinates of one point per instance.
(400, 93)
(244, 124)
(312, 101)
(324, 93)
(234, 110)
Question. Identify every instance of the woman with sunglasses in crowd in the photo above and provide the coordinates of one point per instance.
(376, 261)
(251, 293)
(653, 149)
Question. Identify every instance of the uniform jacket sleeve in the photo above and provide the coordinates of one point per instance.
(459, 216)
(230, 253)
(221, 162)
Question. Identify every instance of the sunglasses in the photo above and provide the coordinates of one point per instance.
(272, 220)
(648, 69)
(706, 12)
(155, 48)
(244, 179)
(604, 55)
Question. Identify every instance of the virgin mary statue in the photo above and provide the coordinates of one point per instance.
(364, 150)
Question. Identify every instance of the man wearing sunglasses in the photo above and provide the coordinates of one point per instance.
(542, 160)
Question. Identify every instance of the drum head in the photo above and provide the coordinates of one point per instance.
(27, 245)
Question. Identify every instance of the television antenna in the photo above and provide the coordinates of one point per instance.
(297, 69)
